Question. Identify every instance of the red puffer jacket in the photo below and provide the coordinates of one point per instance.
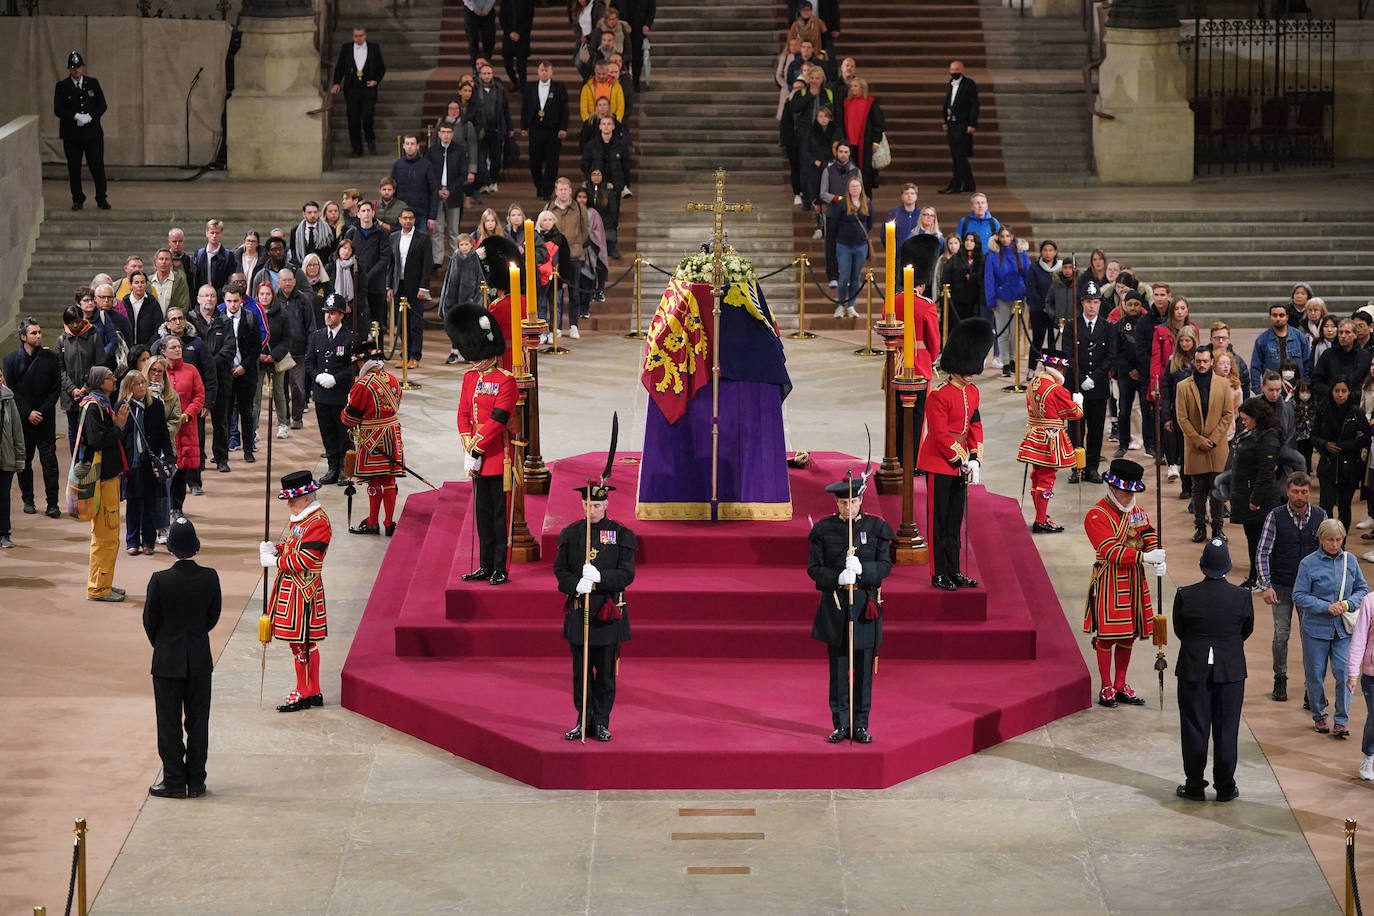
(186, 380)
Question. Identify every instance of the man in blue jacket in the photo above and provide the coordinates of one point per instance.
(1275, 345)
(979, 220)
(414, 182)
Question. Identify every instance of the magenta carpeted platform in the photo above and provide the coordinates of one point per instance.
(721, 686)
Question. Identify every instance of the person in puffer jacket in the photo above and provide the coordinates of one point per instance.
(1004, 282)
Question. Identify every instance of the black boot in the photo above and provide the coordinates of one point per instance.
(1280, 694)
(1199, 534)
(480, 572)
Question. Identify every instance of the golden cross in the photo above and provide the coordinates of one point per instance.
(718, 208)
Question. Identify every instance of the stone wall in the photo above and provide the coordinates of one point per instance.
(21, 187)
(145, 68)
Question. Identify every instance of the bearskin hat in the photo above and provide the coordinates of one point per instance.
(475, 332)
(496, 252)
(968, 345)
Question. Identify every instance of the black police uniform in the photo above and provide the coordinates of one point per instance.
(829, 547)
(1212, 620)
(324, 354)
(69, 100)
(613, 554)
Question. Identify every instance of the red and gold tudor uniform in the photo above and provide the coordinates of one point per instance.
(1046, 447)
(486, 403)
(296, 602)
(1118, 610)
(373, 402)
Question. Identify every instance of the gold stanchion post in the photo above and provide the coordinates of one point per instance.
(801, 333)
(406, 383)
(391, 323)
(1350, 827)
(637, 333)
(867, 348)
(944, 328)
(1016, 385)
(553, 349)
(81, 866)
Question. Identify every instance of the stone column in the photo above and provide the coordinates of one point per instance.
(1142, 84)
(276, 81)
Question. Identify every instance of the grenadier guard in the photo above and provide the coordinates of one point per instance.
(1118, 610)
(297, 599)
(486, 402)
(1046, 446)
(373, 402)
(952, 447)
(848, 549)
(601, 577)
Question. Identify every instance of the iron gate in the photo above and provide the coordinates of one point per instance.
(1263, 92)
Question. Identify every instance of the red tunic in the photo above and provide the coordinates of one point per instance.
(485, 405)
(1049, 407)
(953, 430)
(372, 404)
(298, 585)
(927, 333)
(1118, 605)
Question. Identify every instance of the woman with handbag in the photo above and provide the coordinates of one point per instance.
(185, 380)
(1328, 590)
(148, 451)
(864, 127)
(11, 455)
(160, 387)
(97, 465)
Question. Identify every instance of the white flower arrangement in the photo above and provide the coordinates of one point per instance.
(697, 267)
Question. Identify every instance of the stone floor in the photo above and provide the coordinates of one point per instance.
(1076, 816)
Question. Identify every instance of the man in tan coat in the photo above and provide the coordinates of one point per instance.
(1205, 417)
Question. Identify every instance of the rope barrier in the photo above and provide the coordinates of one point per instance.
(618, 280)
(71, 882)
(788, 266)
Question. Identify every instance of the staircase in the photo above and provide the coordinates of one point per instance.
(712, 107)
(74, 247)
(1229, 265)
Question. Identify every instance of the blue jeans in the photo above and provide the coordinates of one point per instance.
(851, 261)
(1317, 655)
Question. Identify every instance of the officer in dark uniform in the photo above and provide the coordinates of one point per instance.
(78, 104)
(1212, 620)
(181, 609)
(834, 568)
(1095, 343)
(328, 366)
(595, 584)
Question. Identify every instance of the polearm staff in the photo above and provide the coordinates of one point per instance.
(266, 630)
(1080, 454)
(849, 613)
(1160, 633)
(586, 616)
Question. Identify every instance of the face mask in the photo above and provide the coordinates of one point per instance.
(1288, 375)
(1304, 397)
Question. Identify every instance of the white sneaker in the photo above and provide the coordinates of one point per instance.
(851, 312)
(162, 536)
(839, 311)
(1173, 472)
(1136, 445)
(626, 192)
(495, 187)
(796, 200)
(817, 234)
(572, 332)
(997, 362)
(1368, 556)
(834, 284)
(546, 338)
(283, 431)
(1367, 768)
(1366, 524)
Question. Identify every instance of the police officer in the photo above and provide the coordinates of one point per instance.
(182, 607)
(848, 549)
(1212, 620)
(486, 402)
(327, 367)
(78, 104)
(594, 583)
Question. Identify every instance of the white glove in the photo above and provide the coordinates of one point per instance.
(325, 380)
(973, 471)
(1153, 556)
(481, 253)
(81, 118)
(472, 465)
(848, 576)
(1088, 384)
(584, 586)
(591, 572)
(1078, 397)
(1159, 569)
(267, 554)
(852, 564)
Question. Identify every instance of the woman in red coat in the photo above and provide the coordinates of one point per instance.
(186, 382)
(1162, 346)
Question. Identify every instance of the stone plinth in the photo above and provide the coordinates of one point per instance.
(21, 183)
(277, 82)
(1142, 84)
